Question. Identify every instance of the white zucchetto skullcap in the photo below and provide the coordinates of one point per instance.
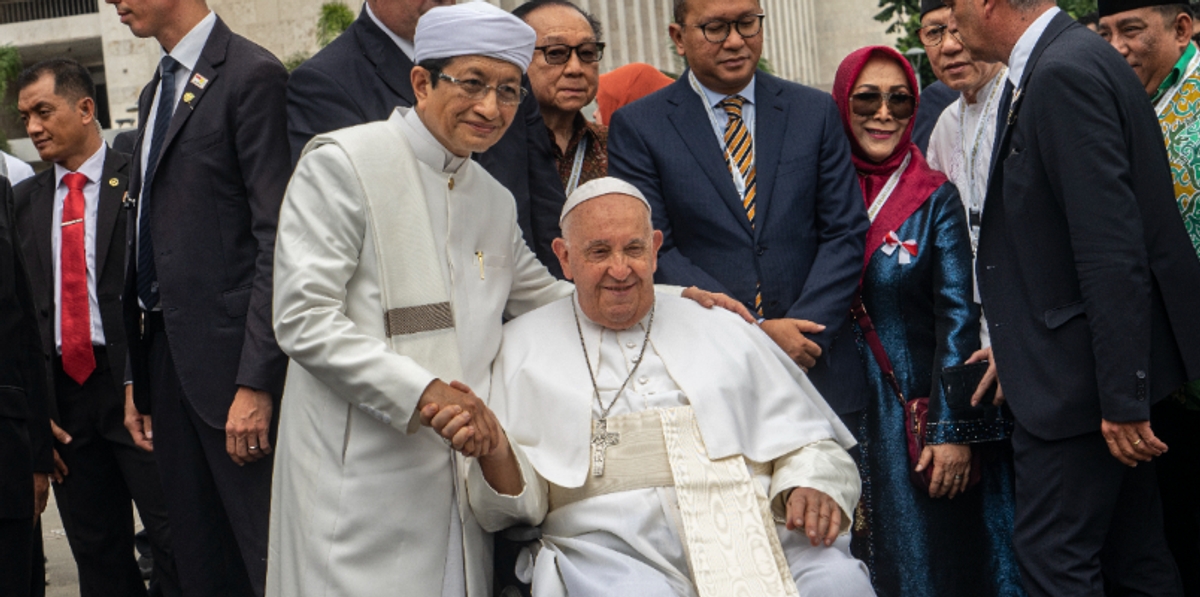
(598, 188)
(473, 29)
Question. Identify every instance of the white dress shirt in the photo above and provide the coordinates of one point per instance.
(719, 119)
(14, 169)
(405, 45)
(93, 169)
(1024, 48)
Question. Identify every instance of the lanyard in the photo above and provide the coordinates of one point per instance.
(577, 167)
(738, 182)
(974, 202)
(886, 193)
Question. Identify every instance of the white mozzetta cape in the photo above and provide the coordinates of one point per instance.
(749, 398)
(360, 506)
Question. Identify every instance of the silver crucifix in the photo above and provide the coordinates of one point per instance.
(601, 440)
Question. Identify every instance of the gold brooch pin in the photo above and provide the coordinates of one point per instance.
(188, 97)
(112, 182)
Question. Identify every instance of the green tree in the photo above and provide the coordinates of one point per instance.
(904, 19)
(335, 18)
(10, 67)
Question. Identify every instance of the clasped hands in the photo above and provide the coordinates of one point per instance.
(462, 419)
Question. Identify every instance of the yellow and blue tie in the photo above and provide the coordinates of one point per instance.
(739, 153)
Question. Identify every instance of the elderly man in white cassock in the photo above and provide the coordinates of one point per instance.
(396, 262)
(665, 449)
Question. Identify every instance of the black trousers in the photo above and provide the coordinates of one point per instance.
(105, 471)
(1085, 522)
(1179, 481)
(16, 535)
(219, 510)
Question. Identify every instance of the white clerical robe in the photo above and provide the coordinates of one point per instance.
(360, 506)
(960, 147)
(631, 542)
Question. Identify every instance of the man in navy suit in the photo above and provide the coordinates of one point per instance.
(1088, 279)
(363, 75)
(774, 216)
(205, 189)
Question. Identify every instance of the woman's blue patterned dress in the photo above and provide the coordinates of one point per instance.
(923, 311)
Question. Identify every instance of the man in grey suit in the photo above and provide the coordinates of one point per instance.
(208, 179)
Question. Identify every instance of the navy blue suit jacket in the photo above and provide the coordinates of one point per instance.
(1086, 271)
(806, 247)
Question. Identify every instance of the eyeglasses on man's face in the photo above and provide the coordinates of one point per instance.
(933, 35)
(717, 31)
(588, 52)
(474, 89)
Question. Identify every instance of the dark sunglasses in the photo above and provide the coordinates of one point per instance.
(588, 52)
(900, 104)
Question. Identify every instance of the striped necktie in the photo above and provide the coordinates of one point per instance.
(739, 153)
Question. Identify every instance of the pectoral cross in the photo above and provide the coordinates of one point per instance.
(601, 440)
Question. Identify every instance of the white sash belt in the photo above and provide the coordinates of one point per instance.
(732, 545)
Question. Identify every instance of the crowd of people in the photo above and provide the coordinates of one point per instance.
(407, 321)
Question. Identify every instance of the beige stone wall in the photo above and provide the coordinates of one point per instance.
(285, 27)
(842, 27)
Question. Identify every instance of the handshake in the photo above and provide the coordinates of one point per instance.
(462, 419)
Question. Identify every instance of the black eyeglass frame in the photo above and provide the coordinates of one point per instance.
(573, 50)
(730, 26)
(481, 93)
(941, 31)
(885, 98)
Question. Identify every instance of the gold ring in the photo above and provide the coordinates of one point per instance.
(1137, 441)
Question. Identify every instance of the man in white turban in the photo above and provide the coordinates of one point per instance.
(666, 451)
(396, 261)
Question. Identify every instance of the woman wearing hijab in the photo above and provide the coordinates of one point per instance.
(943, 537)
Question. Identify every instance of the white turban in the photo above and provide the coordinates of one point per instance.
(598, 188)
(473, 29)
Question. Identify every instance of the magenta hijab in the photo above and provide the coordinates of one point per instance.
(919, 180)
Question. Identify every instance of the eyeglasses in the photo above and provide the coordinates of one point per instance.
(474, 89)
(932, 35)
(901, 105)
(718, 31)
(587, 52)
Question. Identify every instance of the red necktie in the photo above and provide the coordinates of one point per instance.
(76, 327)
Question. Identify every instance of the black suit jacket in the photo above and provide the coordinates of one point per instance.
(25, 441)
(1087, 274)
(35, 210)
(935, 98)
(362, 76)
(214, 206)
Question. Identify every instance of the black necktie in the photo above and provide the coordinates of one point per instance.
(147, 277)
(1002, 119)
